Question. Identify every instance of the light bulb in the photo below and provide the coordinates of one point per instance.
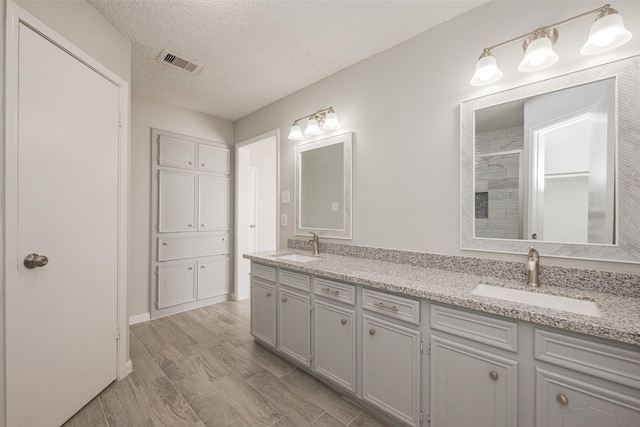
(312, 127)
(539, 55)
(296, 133)
(487, 71)
(331, 121)
(606, 33)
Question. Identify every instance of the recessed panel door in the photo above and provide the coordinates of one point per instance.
(213, 159)
(177, 201)
(213, 276)
(61, 310)
(214, 203)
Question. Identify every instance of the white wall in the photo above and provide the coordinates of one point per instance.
(147, 114)
(403, 107)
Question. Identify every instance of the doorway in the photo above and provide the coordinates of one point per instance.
(257, 171)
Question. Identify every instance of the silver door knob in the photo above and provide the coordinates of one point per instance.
(203, 164)
(493, 375)
(35, 260)
(372, 331)
(252, 226)
(343, 321)
(284, 300)
(562, 399)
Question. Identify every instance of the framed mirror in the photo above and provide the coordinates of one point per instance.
(551, 165)
(323, 187)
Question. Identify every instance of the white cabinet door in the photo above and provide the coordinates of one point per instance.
(263, 311)
(177, 153)
(470, 387)
(294, 317)
(176, 284)
(562, 401)
(213, 277)
(177, 201)
(391, 368)
(335, 344)
(214, 203)
(213, 159)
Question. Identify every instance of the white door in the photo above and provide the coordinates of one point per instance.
(61, 345)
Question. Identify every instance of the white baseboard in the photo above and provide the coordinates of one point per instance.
(128, 368)
(139, 318)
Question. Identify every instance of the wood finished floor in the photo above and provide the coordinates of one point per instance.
(202, 368)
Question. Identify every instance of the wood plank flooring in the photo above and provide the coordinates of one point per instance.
(202, 368)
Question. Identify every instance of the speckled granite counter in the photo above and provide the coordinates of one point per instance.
(619, 316)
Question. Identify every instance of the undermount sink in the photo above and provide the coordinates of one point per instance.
(572, 305)
(296, 258)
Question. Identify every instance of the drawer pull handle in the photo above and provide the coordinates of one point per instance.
(189, 268)
(329, 291)
(386, 307)
(190, 163)
(372, 331)
(190, 225)
(493, 375)
(343, 321)
(268, 294)
(203, 266)
(164, 243)
(562, 399)
(203, 225)
(284, 300)
(203, 164)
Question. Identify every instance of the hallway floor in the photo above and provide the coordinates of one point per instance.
(202, 368)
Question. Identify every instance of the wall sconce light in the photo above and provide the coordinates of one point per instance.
(327, 119)
(607, 33)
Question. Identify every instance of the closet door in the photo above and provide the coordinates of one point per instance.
(177, 201)
(214, 203)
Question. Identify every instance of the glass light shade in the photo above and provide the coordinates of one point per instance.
(331, 121)
(606, 33)
(487, 71)
(312, 127)
(539, 55)
(296, 133)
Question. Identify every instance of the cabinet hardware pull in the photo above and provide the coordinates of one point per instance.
(493, 375)
(329, 291)
(203, 266)
(268, 294)
(203, 225)
(190, 163)
(203, 164)
(164, 243)
(224, 239)
(386, 307)
(562, 399)
(189, 268)
(190, 225)
(343, 321)
(372, 331)
(284, 300)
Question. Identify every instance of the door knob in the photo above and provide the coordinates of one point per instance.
(252, 226)
(35, 260)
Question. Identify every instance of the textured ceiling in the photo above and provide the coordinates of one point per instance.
(256, 52)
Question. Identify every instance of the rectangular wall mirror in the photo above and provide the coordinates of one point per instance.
(551, 165)
(323, 187)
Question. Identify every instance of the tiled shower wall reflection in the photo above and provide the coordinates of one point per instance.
(498, 184)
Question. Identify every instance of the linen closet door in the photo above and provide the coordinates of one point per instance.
(61, 322)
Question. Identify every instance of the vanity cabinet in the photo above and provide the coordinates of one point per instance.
(482, 383)
(294, 321)
(584, 383)
(391, 374)
(263, 311)
(335, 332)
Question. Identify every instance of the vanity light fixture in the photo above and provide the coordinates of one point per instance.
(607, 33)
(326, 118)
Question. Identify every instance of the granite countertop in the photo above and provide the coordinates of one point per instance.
(619, 316)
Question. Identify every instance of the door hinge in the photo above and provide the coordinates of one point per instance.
(119, 120)
(421, 416)
(118, 333)
(429, 420)
(421, 346)
(429, 350)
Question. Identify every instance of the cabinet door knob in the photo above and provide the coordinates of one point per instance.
(284, 300)
(189, 268)
(562, 399)
(268, 294)
(203, 164)
(203, 266)
(224, 239)
(190, 225)
(190, 163)
(164, 243)
(372, 331)
(343, 321)
(203, 225)
(493, 375)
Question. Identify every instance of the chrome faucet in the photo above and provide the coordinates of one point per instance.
(533, 267)
(315, 242)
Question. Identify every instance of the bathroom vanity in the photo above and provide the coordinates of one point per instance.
(420, 346)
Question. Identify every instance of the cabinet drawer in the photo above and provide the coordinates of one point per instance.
(600, 360)
(192, 246)
(335, 290)
(295, 280)
(487, 330)
(259, 270)
(391, 305)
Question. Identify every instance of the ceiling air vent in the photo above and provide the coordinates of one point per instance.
(169, 58)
